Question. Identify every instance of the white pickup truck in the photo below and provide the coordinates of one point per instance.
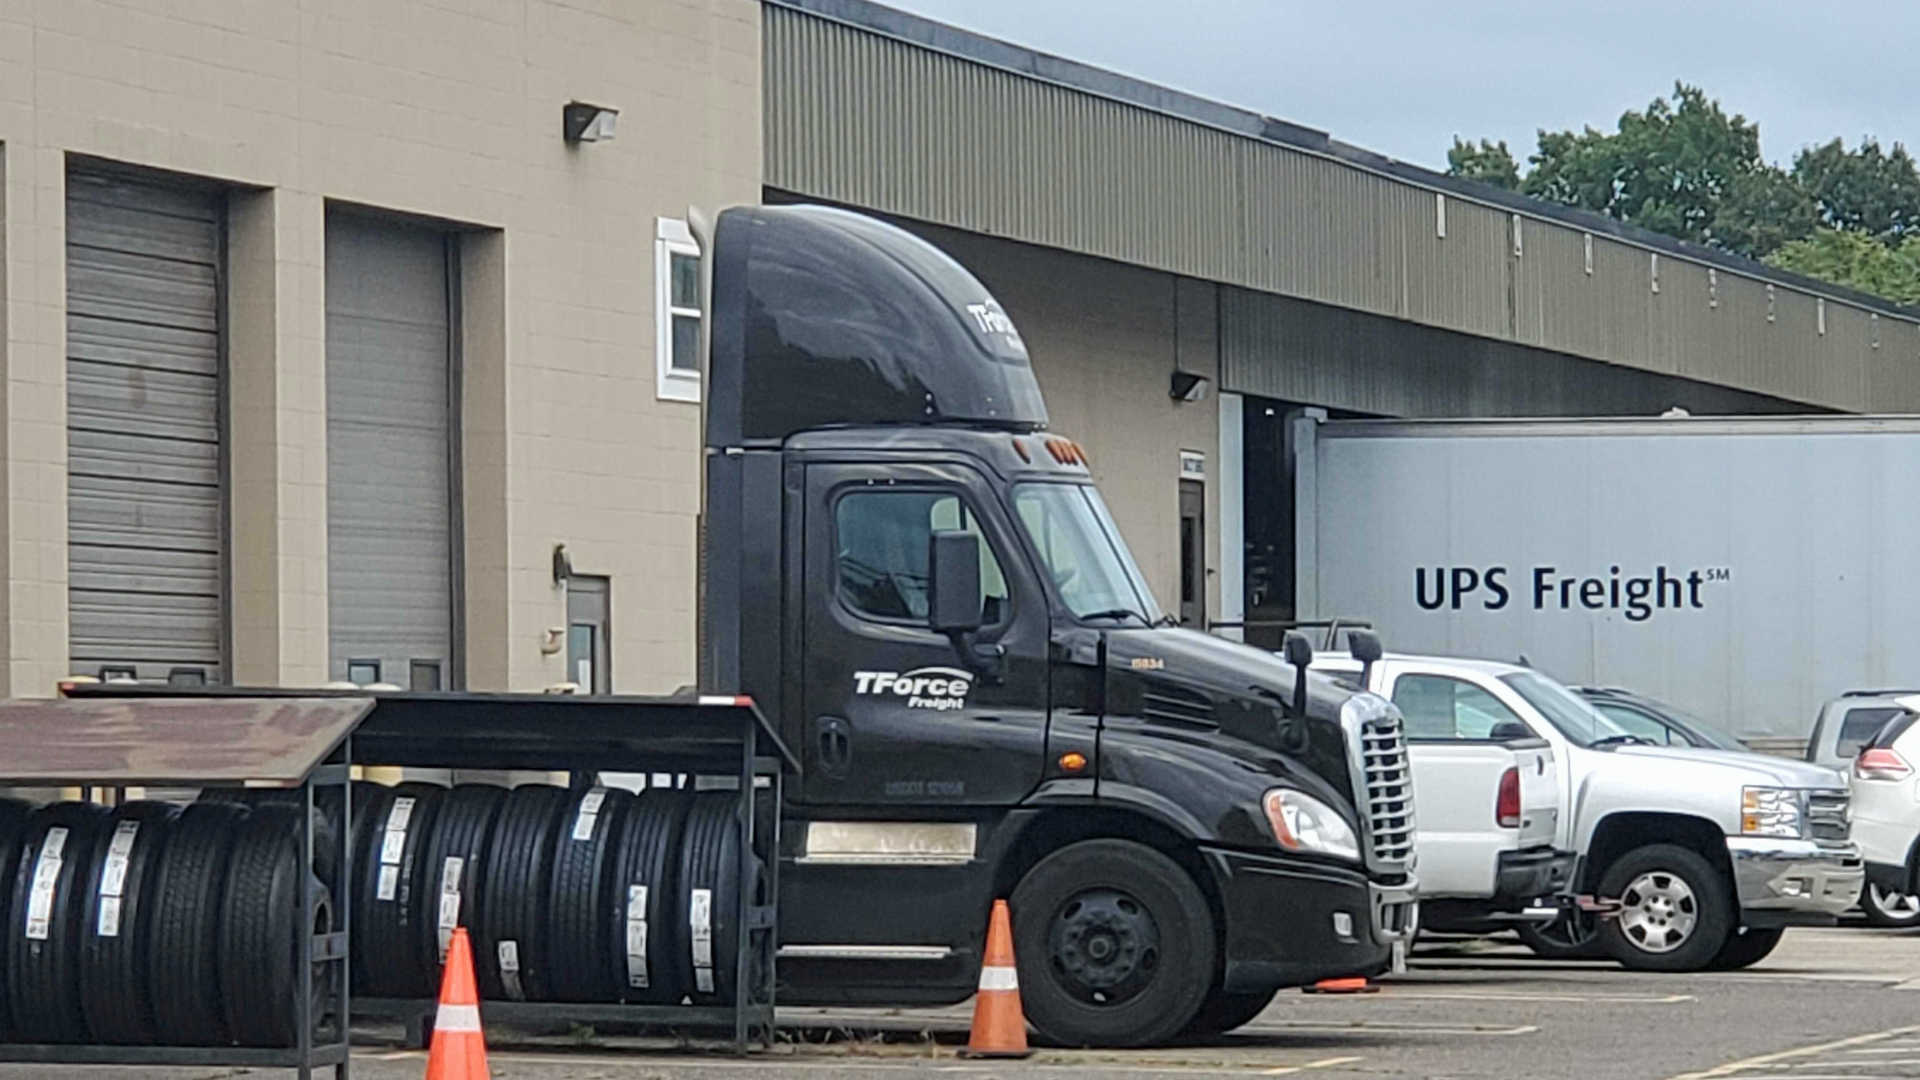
(1698, 859)
(1486, 797)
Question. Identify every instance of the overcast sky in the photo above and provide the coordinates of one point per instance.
(1403, 77)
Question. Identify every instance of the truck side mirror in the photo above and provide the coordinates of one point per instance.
(1365, 647)
(1299, 653)
(954, 604)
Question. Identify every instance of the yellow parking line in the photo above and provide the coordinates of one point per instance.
(1763, 1061)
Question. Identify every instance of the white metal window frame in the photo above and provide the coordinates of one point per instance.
(671, 237)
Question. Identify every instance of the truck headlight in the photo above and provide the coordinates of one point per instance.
(1303, 823)
(1768, 811)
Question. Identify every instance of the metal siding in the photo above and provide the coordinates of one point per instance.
(864, 119)
(389, 441)
(145, 533)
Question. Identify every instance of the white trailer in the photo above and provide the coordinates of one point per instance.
(1746, 569)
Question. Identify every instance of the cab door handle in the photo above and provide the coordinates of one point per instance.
(833, 745)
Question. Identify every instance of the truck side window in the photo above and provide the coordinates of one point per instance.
(1439, 707)
(881, 540)
(1635, 722)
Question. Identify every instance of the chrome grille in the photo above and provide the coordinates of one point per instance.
(1827, 815)
(1389, 790)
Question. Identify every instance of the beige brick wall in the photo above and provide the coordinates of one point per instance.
(448, 109)
(1102, 337)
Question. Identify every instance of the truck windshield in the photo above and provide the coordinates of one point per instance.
(1580, 722)
(1084, 555)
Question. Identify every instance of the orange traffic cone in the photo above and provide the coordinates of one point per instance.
(999, 1026)
(459, 1051)
(1342, 986)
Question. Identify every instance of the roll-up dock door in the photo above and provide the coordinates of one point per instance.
(146, 558)
(390, 489)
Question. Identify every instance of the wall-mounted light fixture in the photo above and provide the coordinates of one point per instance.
(562, 564)
(581, 122)
(1187, 386)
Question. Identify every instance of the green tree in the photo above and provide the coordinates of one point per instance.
(1682, 167)
(1866, 190)
(1854, 259)
(1489, 162)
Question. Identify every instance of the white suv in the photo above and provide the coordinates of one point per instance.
(1886, 800)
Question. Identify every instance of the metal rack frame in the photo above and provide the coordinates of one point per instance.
(322, 1038)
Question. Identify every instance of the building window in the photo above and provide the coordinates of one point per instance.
(676, 275)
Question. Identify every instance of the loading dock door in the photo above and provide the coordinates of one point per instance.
(146, 564)
(390, 492)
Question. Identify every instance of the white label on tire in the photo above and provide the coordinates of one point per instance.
(389, 882)
(637, 937)
(510, 970)
(700, 922)
(394, 843)
(449, 901)
(113, 877)
(46, 876)
(590, 804)
(109, 922)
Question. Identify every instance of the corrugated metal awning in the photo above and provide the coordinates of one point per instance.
(172, 740)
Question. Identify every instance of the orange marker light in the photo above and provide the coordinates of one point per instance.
(1072, 761)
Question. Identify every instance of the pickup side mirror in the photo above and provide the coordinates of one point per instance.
(1365, 646)
(1510, 730)
(954, 603)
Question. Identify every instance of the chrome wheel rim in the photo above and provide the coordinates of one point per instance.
(1898, 906)
(1658, 912)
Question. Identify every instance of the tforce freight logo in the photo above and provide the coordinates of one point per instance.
(991, 319)
(935, 688)
(1638, 596)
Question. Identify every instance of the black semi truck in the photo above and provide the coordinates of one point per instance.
(924, 589)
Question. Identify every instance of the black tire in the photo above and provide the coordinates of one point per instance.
(1223, 1012)
(649, 859)
(1889, 910)
(1746, 948)
(115, 995)
(1573, 936)
(260, 924)
(1115, 944)
(43, 954)
(454, 863)
(13, 833)
(391, 908)
(709, 896)
(183, 940)
(1685, 910)
(580, 945)
(512, 923)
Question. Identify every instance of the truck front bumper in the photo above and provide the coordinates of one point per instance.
(1782, 882)
(1292, 921)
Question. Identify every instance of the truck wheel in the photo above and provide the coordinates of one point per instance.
(1572, 936)
(1746, 948)
(1895, 911)
(1675, 910)
(1223, 1012)
(1115, 945)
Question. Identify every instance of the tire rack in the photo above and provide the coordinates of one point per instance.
(307, 746)
(707, 735)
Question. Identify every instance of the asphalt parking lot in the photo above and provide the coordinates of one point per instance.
(1829, 1004)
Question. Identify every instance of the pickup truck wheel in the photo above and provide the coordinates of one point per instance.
(1572, 936)
(1115, 945)
(1895, 911)
(1224, 1012)
(1676, 912)
(1747, 948)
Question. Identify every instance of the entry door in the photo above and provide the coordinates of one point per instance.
(894, 714)
(1193, 554)
(588, 664)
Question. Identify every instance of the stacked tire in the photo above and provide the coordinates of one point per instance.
(152, 924)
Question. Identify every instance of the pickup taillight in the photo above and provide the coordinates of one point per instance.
(1881, 765)
(1506, 806)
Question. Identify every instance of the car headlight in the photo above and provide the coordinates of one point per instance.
(1768, 811)
(1303, 823)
